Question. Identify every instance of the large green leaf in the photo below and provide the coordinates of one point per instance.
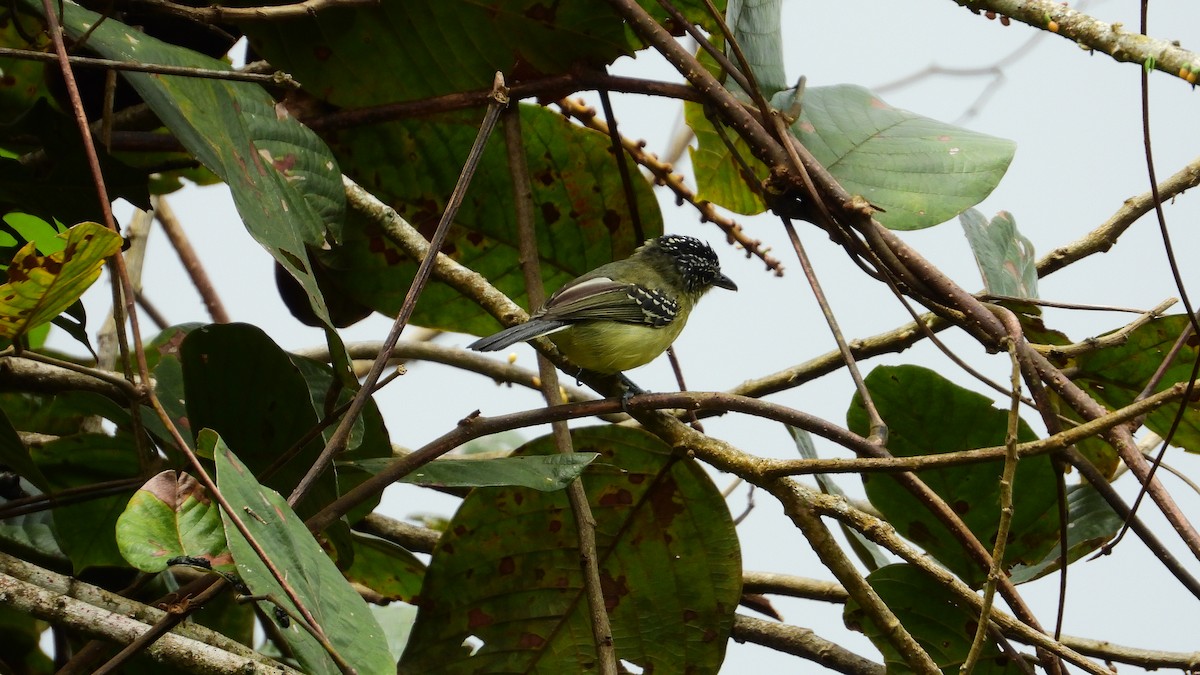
(581, 217)
(335, 606)
(507, 569)
(53, 178)
(284, 181)
(14, 456)
(239, 383)
(919, 171)
(942, 625)
(39, 288)
(400, 51)
(19, 650)
(415, 49)
(927, 414)
(1116, 375)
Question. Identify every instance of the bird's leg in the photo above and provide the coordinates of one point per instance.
(630, 390)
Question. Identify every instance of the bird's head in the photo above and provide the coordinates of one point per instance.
(694, 260)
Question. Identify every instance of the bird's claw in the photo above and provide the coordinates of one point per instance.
(630, 390)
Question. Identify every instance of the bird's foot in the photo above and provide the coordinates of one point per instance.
(630, 390)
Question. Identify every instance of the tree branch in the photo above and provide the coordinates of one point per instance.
(802, 642)
(1092, 34)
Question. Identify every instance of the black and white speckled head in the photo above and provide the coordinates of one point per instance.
(695, 261)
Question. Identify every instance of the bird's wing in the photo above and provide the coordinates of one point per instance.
(602, 299)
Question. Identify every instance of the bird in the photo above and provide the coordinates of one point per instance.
(623, 314)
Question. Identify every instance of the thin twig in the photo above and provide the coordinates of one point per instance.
(1006, 513)
(1131, 210)
(191, 262)
(218, 14)
(879, 430)
(585, 522)
(614, 137)
(664, 174)
(340, 435)
(277, 79)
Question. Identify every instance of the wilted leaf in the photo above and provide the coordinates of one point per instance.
(169, 517)
(285, 183)
(39, 288)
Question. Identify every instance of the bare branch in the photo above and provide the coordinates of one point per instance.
(1095, 35)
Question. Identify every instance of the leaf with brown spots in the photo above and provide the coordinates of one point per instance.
(285, 182)
(669, 565)
(171, 516)
(40, 288)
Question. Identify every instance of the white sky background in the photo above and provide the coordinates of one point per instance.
(1075, 118)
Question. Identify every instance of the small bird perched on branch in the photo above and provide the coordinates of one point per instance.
(625, 313)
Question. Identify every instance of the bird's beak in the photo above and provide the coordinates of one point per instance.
(724, 282)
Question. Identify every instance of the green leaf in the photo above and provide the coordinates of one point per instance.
(758, 28)
(239, 383)
(507, 569)
(337, 608)
(368, 436)
(39, 288)
(397, 620)
(1005, 256)
(388, 569)
(920, 171)
(548, 472)
(927, 414)
(719, 176)
(370, 55)
(1092, 522)
(934, 617)
(580, 212)
(1116, 375)
(169, 517)
(285, 183)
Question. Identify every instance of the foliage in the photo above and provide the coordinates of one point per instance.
(204, 455)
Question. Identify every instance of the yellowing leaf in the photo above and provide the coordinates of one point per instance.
(40, 288)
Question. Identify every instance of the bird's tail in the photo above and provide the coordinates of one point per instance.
(518, 333)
